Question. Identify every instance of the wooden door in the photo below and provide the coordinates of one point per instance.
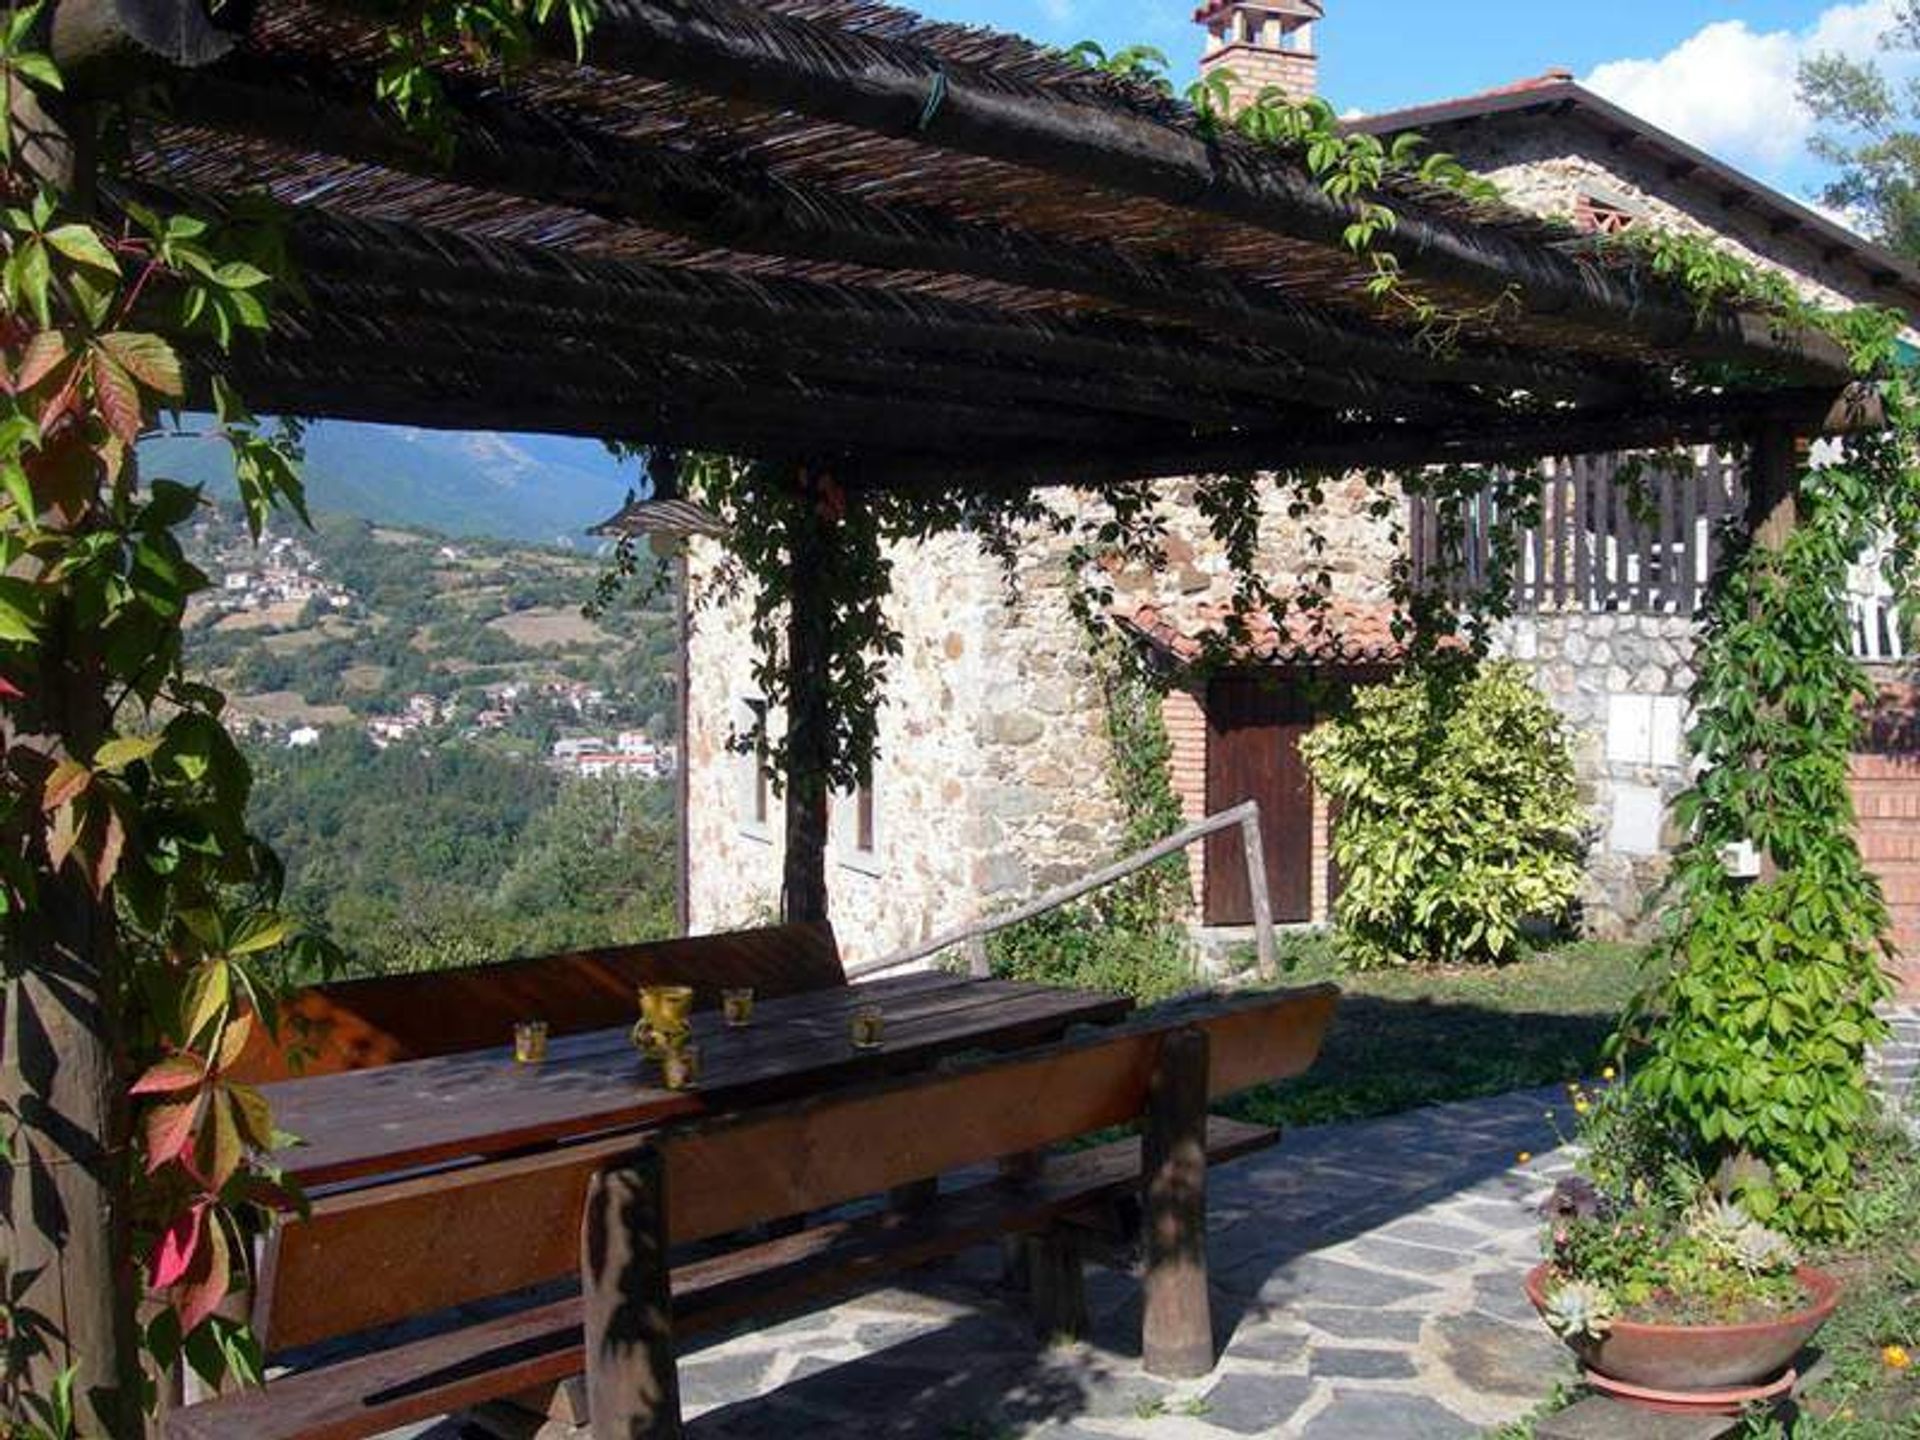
(1254, 729)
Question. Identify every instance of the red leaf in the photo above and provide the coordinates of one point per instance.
(119, 398)
(106, 861)
(170, 1131)
(176, 1072)
(206, 1281)
(219, 1151)
(233, 1044)
(253, 1115)
(10, 691)
(62, 835)
(178, 1247)
(44, 353)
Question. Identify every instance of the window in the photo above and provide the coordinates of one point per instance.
(755, 787)
(856, 834)
(863, 820)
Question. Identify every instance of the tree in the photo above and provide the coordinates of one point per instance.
(1871, 133)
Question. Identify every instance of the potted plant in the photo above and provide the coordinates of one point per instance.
(1667, 1286)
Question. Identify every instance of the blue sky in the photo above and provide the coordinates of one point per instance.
(1717, 72)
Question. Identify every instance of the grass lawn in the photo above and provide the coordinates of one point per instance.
(1402, 1039)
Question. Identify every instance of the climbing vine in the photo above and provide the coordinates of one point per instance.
(128, 878)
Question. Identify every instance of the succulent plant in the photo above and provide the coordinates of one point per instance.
(1728, 1231)
(1580, 1310)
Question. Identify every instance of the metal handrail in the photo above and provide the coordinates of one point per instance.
(973, 934)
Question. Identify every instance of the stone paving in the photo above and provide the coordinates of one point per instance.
(1367, 1287)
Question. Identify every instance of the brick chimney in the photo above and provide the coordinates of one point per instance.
(1263, 43)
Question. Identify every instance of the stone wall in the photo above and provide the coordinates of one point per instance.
(1546, 165)
(993, 782)
(1621, 682)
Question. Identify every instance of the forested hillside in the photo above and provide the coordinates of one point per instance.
(402, 696)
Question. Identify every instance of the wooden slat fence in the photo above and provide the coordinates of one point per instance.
(1608, 544)
(1605, 543)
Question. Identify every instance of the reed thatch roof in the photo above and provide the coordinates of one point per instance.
(832, 231)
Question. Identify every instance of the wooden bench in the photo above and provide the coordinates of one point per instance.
(362, 1024)
(371, 1257)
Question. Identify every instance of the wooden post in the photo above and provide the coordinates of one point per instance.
(1056, 1284)
(1773, 512)
(1254, 845)
(979, 964)
(1773, 506)
(65, 1241)
(809, 725)
(1177, 1336)
(633, 1387)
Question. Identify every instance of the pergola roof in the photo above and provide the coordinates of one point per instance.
(916, 253)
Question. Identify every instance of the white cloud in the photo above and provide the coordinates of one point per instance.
(1732, 90)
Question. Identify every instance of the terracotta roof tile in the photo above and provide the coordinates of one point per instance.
(1348, 632)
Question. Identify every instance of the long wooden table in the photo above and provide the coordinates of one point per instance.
(422, 1113)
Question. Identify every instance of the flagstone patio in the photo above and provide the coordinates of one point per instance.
(1367, 1284)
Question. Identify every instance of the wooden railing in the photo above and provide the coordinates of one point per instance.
(1603, 545)
(973, 935)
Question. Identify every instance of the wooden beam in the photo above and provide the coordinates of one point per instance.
(535, 334)
(1362, 446)
(492, 277)
(1773, 500)
(746, 411)
(893, 87)
(727, 202)
(633, 1378)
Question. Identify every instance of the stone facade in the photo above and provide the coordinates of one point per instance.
(991, 782)
(994, 779)
(1564, 169)
(1620, 682)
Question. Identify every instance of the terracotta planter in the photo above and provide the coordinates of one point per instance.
(1678, 1359)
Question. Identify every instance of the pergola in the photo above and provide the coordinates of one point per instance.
(831, 235)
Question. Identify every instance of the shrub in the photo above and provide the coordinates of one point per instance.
(1459, 819)
(1087, 947)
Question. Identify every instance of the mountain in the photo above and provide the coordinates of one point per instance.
(537, 489)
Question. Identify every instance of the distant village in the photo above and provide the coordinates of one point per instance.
(285, 576)
(285, 573)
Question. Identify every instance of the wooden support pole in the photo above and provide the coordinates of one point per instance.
(633, 1387)
(809, 724)
(65, 1238)
(1773, 501)
(1177, 1334)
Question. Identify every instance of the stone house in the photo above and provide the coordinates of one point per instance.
(994, 780)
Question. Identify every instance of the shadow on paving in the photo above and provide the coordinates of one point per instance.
(980, 1374)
